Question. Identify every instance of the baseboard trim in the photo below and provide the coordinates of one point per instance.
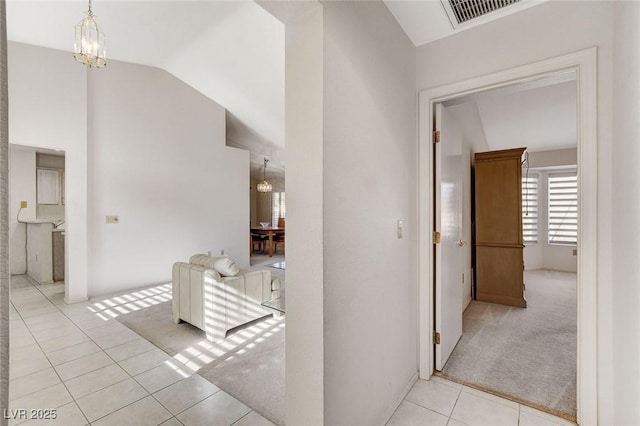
(403, 395)
(71, 302)
(518, 302)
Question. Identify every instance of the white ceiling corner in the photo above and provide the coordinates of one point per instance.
(422, 21)
(538, 117)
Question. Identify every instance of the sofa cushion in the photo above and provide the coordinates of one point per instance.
(226, 267)
(203, 260)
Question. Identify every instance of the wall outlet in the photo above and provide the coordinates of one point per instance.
(222, 252)
(113, 219)
(23, 204)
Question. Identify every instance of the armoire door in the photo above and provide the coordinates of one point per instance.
(499, 239)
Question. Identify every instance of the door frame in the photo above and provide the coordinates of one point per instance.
(584, 64)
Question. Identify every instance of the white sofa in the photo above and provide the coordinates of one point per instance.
(215, 303)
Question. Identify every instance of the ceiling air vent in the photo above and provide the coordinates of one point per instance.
(461, 11)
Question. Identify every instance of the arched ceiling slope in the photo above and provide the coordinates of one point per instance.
(231, 51)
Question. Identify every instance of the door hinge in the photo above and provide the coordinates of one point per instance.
(436, 338)
(436, 136)
(436, 237)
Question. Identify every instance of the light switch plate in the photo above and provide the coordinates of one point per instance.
(113, 219)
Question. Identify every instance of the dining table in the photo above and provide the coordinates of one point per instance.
(269, 231)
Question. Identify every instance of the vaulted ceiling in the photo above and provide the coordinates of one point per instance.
(231, 51)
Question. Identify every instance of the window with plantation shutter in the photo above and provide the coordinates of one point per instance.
(278, 209)
(530, 208)
(563, 208)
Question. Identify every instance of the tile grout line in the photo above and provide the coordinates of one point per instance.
(421, 406)
(454, 405)
(193, 405)
(518, 423)
(101, 349)
(128, 374)
(73, 399)
(52, 367)
(491, 397)
(114, 363)
(252, 412)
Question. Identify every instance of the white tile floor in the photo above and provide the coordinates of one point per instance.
(441, 402)
(94, 370)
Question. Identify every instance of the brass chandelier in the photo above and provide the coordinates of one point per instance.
(265, 186)
(89, 45)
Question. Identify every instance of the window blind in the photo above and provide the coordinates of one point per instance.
(530, 208)
(563, 208)
(278, 208)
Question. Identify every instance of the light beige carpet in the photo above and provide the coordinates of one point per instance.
(526, 354)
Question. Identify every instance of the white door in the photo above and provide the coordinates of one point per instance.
(448, 221)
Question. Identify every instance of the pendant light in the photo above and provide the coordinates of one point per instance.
(265, 186)
(89, 45)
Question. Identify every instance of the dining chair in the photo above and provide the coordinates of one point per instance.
(279, 238)
(258, 240)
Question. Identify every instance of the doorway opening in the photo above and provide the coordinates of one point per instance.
(583, 65)
(38, 219)
(517, 145)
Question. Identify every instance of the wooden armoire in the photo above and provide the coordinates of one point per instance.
(499, 241)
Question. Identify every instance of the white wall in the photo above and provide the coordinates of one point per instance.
(22, 187)
(305, 258)
(541, 32)
(50, 160)
(369, 172)
(553, 158)
(48, 109)
(158, 160)
(263, 207)
(626, 208)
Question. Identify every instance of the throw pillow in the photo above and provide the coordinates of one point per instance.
(203, 260)
(226, 267)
